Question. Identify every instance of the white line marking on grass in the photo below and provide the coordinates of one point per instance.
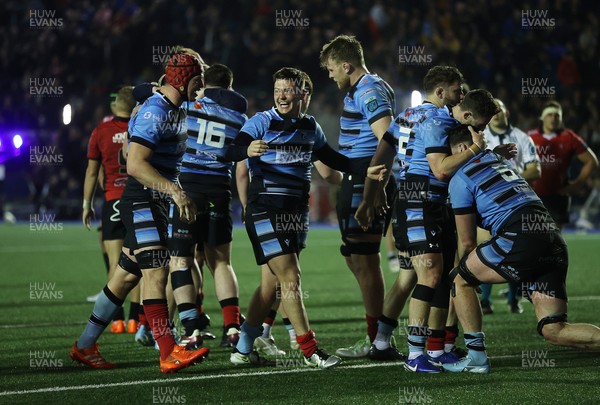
(180, 379)
(210, 377)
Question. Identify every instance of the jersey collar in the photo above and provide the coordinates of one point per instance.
(353, 88)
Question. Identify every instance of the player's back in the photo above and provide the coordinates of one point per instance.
(213, 122)
(368, 100)
(430, 137)
(106, 144)
(497, 190)
(404, 128)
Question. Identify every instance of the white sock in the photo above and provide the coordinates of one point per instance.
(435, 353)
(266, 330)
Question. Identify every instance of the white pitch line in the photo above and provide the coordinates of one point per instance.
(183, 379)
(210, 377)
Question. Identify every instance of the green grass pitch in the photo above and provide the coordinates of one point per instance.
(38, 330)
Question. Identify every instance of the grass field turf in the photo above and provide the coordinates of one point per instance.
(70, 259)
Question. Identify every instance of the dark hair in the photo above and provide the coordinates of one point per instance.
(480, 103)
(441, 75)
(343, 48)
(460, 134)
(218, 75)
(292, 74)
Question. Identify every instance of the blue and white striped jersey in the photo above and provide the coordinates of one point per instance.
(431, 137)
(403, 128)
(212, 125)
(368, 100)
(488, 186)
(161, 126)
(285, 168)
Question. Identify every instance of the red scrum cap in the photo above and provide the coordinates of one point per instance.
(180, 69)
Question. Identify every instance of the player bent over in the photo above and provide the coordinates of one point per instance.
(526, 247)
(158, 135)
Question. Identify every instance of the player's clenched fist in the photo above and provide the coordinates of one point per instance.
(257, 148)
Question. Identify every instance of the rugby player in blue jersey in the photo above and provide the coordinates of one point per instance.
(157, 144)
(427, 221)
(526, 247)
(265, 344)
(276, 216)
(368, 112)
(214, 120)
(443, 87)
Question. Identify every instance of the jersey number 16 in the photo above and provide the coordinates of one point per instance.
(211, 133)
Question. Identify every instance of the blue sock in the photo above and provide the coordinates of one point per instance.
(105, 307)
(248, 335)
(486, 292)
(475, 342)
(417, 337)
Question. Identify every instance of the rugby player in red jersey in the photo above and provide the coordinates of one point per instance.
(557, 146)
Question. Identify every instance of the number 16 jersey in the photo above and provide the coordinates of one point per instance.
(213, 122)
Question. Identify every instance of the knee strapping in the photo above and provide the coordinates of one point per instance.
(153, 258)
(129, 265)
(181, 278)
(423, 293)
(345, 251)
(556, 318)
(362, 248)
(465, 273)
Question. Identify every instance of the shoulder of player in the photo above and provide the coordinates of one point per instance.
(369, 84)
(262, 118)
(570, 133)
(152, 109)
(440, 118)
(226, 98)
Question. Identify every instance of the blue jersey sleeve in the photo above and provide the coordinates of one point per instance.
(143, 127)
(374, 103)
(462, 195)
(436, 140)
(320, 139)
(256, 126)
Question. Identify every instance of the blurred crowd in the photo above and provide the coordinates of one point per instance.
(94, 46)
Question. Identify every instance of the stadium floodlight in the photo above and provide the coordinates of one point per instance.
(415, 98)
(17, 141)
(67, 114)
